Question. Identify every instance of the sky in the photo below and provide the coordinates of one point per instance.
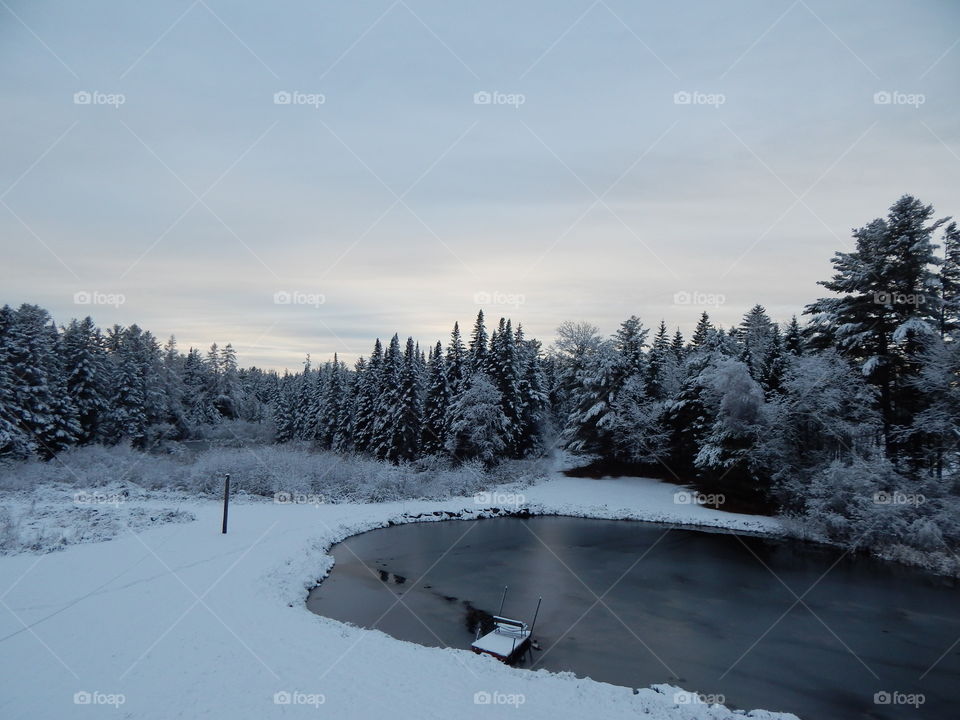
(302, 177)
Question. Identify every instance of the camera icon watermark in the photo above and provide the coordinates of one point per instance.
(95, 97)
(682, 697)
(895, 97)
(688, 497)
(98, 498)
(495, 97)
(95, 297)
(296, 697)
(295, 97)
(496, 297)
(484, 697)
(297, 498)
(297, 297)
(891, 298)
(499, 499)
(85, 697)
(695, 297)
(899, 498)
(695, 97)
(895, 697)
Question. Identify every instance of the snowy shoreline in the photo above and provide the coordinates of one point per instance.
(184, 622)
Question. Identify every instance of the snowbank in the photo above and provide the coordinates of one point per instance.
(181, 621)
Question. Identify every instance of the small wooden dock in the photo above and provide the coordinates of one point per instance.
(509, 638)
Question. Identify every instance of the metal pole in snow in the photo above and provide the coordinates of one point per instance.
(536, 612)
(226, 502)
(504, 597)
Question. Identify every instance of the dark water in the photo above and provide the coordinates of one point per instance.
(711, 612)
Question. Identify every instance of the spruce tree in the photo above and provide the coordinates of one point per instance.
(436, 404)
(86, 382)
(478, 353)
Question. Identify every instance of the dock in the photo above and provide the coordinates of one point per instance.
(509, 638)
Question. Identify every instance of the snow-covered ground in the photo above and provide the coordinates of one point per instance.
(180, 621)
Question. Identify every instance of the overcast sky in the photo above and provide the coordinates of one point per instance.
(392, 166)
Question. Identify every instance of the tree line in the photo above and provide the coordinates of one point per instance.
(759, 408)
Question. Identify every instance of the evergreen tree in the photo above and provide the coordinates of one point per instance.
(86, 383)
(678, 347)
(386, 432)
(950, 284)
(456, 363)
(409, 427)
(15, 444)
(43, 409)
(703, 335)
(477, 424)
(793, 341)
(478, 353)
(888, 302)
(436, 404)
(366, 394)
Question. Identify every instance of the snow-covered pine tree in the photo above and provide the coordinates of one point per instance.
(728, 458)
(505, 372)
(793, 341)
(679, 348)
(456, 362)
(44, 411)
(477, 423)
(228, 391)
(15, 443)
(478, 353)
(950, 285)
(283, 409)
(386, 439)
(533, 392)
(199, 408)
(662, 375)
(436, 404)
(409, 426)
(366, 394)
(85, 362)
(888, 301)
(704, 335)
(172, 385)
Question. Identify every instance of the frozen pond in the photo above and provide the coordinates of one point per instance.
(635, 604)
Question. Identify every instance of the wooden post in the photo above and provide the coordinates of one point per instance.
(226, 502)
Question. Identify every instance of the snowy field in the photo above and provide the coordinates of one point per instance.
(180, 621)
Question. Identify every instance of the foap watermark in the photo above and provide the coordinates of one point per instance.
(695, 97)
(895, 497)
(488, 498)
(682, 697)
(881, 297)
(689, 497)
(295, 97)
(895, 97)
(85, 697)
(886, 697)
(483, 697)
(695, 297)
(495, 97)
(298, 498)
(297, 297)
(95, 297)
(95, 97)
(497, 297)
(94, 497)
(296, 697)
